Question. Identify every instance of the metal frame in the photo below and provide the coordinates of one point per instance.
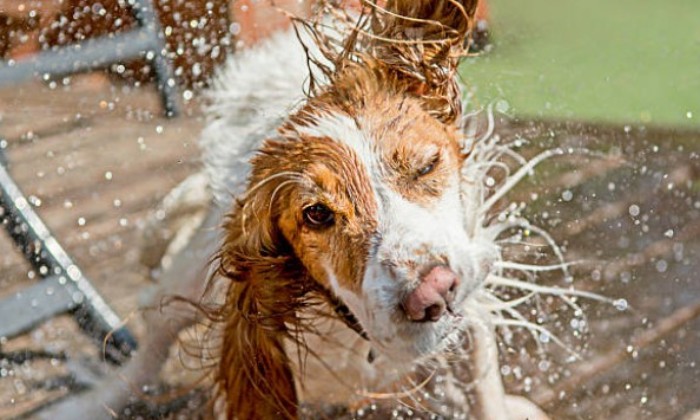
(64, 288)
(100, 52)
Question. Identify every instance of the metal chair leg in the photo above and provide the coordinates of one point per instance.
(146, 17)
(63, 289)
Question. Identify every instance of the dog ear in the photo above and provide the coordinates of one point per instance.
(421, 42)
(267, 287)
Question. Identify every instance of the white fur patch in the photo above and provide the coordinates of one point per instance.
(250, 97)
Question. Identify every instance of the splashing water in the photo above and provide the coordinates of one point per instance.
(481, 192)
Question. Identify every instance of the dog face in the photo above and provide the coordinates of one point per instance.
(368, 198)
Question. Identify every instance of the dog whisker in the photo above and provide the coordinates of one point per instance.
(532, 267)
(499, 304)
(544, 332)
(524, 171)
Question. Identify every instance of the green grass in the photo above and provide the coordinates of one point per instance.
(620, 61)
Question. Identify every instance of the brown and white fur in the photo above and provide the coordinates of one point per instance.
(357, 242)
(355, 200)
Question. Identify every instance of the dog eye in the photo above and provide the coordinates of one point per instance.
(318, 215)
(425, 170)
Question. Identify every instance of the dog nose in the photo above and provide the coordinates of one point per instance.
(432, 297)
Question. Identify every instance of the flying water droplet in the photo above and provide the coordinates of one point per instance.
(634, 210)
(620, 304)
(73, 272)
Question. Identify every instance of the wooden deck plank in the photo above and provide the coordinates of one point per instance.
(64, 160)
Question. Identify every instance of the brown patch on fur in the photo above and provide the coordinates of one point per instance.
(427, 66)
(408, 138)
(277, 263)
(419, 43)
(421, 155)
(335, 178)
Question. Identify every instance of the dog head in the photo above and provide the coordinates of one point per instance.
(359, 200)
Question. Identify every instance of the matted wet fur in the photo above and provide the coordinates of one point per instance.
(407, 49)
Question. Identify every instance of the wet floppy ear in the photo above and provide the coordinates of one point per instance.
(254, 375)
(421, 42)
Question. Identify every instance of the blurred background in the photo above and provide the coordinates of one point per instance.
(94, 153)
(620, 62)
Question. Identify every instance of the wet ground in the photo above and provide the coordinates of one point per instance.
(94, 159)
(628, 214)
(631, 219)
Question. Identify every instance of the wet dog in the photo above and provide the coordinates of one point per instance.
(355, 245)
